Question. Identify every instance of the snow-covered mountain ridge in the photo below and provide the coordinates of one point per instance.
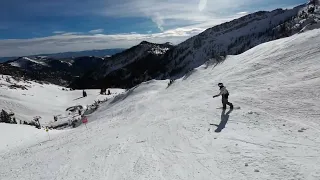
(97, 53)
(237, 36)
(131, 55)
(126, 69)
(56, 71)
(211, 46)
(23, 62)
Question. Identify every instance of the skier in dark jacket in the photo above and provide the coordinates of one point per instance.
(84, 93)
(225, 94)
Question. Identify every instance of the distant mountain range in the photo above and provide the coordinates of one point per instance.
(57, 71)
(96, 53)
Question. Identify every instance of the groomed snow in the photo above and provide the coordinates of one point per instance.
(155, 132)
(21, 136)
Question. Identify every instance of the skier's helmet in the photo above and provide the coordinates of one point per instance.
(220, 84)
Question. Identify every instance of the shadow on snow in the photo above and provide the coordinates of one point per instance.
(224, 120)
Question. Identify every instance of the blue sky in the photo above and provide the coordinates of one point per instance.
(49, 26)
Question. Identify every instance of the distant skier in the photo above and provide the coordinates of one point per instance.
(84, 93)
(225, 94)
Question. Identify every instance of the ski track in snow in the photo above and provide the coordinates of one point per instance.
(155, 132)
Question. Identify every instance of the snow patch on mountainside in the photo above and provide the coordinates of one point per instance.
(22, 62)
(67, 62)
(158, 50)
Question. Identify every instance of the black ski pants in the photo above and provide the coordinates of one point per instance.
(225, 102)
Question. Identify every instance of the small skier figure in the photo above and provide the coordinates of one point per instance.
(84, 93)
(224, 93)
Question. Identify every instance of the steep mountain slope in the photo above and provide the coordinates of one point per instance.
(158, 132)
(125, 69)
(236, 37)
(131, 55)
(211, 46)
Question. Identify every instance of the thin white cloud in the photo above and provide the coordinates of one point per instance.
(75, 41)
(242, 13)
(58, 32)
(96, 31)
(177, 11)
(158, 20)
(202, 5)
(174, 13)
(71, 33)
(79, 42)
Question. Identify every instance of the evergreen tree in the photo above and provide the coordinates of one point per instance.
(4, 116)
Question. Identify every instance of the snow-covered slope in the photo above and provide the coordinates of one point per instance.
(159, 132)
(24, 62)
(21, 136)
(45, 100)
